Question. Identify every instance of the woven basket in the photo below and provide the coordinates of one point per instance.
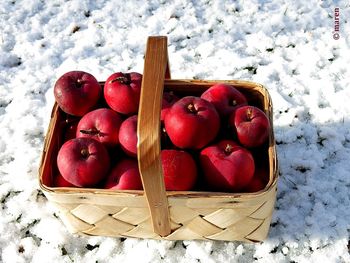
(156, 213)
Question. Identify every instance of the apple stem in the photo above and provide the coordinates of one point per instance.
(93, 132)
(228, 149)
(85, 152)
(249, 113)
(191, 108)
(121, 79)
(79, 83)
(234, 103)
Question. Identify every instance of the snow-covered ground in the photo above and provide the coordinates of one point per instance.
(288, 47)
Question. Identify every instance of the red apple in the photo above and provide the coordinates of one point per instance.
(116, 153)
(125, 175)
(122, 92)
(192, 122)
(77, 92)
(179, 170)
(255, 185)
(70, 130)
(128, 136)
(251, 125)
(59, 181)
(83, 162)
(102, 125)
(164, 138)
(227, 166)
(261, 174)
(225, 98)
(169, 98)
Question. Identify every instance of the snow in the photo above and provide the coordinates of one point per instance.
(288, 47)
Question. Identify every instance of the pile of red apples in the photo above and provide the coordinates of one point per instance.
(210, 142)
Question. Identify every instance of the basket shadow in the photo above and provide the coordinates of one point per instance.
(313, 187)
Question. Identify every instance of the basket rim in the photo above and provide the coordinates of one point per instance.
(180, 194)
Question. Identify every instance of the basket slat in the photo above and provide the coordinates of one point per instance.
(141, 232)
(180, 214)
(261, 232)
(227, 217)
(109, 226)
(74, 224)
(265, 210)
(133, 215)
(202, 227)
(239, 230)
(90, 214)
(183, 233)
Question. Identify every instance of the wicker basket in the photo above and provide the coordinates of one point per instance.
(156, 213)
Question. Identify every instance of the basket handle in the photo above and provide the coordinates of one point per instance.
(156, 68)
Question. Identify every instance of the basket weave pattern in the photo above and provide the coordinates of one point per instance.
(191, 218)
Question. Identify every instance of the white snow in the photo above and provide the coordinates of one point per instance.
(288, 47)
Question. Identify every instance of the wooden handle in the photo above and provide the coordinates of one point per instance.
(148, 132)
